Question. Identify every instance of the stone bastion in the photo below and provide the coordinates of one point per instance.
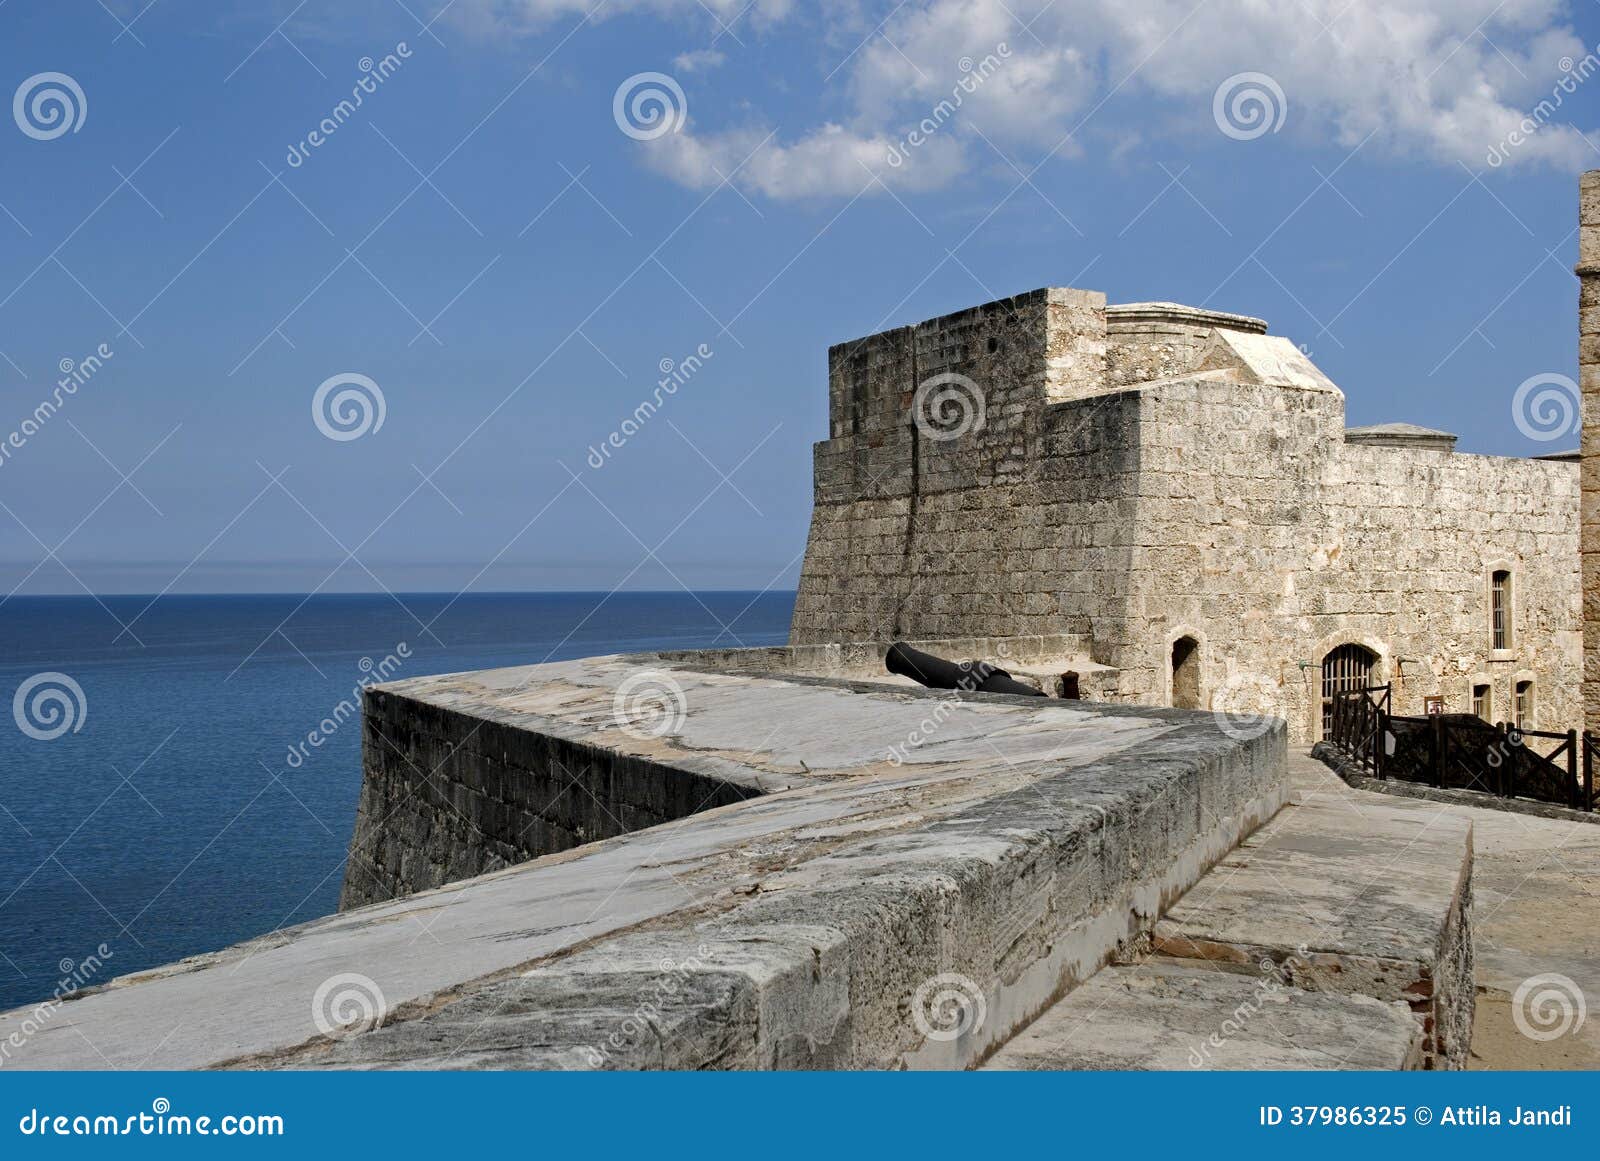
(762, 859)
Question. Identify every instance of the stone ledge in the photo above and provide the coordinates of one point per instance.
(1171, 1015)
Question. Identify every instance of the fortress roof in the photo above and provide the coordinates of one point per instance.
(1401, 435)
(1176, 312)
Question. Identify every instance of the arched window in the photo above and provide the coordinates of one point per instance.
(1347, 667)
(1186, 673)
(1522, 705)
(1500, 608)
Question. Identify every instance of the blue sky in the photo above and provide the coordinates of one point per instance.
(485, 241)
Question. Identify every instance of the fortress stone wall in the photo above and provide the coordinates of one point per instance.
(1134, 476)
(1589, 382)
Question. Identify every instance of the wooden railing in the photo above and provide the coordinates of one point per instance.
(1463, 752)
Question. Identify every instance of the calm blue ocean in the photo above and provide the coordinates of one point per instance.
(171, 821)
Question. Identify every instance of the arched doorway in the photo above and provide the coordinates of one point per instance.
(1346, 667)
(1186, 673)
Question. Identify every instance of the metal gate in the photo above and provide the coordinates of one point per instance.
(1348, 667)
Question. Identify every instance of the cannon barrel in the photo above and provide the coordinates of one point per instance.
(937, 673)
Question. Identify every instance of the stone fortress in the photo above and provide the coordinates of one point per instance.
(785, 858)
(1172, 497)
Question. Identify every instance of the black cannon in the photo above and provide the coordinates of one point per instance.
(937, 673)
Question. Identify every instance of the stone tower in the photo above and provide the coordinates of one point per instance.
(1589, 382)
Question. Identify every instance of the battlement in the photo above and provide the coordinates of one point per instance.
(987, 371)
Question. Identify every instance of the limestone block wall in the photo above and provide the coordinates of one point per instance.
(1019, 523)
(1228, 508)
(1589, 383)
(1271, 541)
(446, 796)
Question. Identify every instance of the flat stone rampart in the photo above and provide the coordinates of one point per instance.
(1008, 854)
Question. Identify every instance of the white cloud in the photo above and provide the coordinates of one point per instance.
(699, 60)
(1436, 80)
(491, 18)
(830, 161)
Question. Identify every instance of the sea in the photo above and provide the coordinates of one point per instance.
(157, 797)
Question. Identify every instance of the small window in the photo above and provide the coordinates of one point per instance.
(1482, 702)
(1523, 707)
(1500, 608)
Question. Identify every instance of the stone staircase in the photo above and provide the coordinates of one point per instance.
(1337, 936)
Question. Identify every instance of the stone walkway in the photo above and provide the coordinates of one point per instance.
(1536, 887)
